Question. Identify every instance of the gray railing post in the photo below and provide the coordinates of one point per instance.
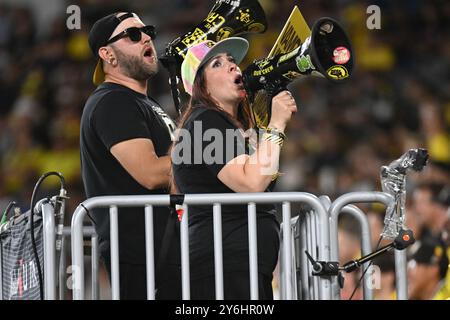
(184, 238)
(335, 209)
(304, 263)
(316, 242)
(62, 269)
(149, 249)
(95, 255)
(114, 240)
(401, 278)
(366, 243)
(77, 253)
(253, 251)
(218, 257)
(48, 217)
(287, 250)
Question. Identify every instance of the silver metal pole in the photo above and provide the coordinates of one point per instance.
(62, 269)
(334, 256)
(294, 234)
(326, 201)
(253, 251)
(184, 238)
(218, 252)
(77, 253)
(335, 209)
(150, 252)
(315, 239)
(401, 274)
(282, 285)
(310, 250)
(304, 263)
(287, 249)
(114, 232)
(95, 255)
(318, 235)
(48, 216)
(366, 244)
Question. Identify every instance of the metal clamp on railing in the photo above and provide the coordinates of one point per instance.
(404, 239)
(323, 268)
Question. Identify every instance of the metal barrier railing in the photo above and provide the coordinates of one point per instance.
(341, 204)
(49, 234)
(366, 246)
(314, 231)
(288, 256)
(216, 200)
(88, 231)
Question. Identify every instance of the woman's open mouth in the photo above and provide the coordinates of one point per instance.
(238, 81)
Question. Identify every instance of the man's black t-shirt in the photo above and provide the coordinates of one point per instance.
(201, 152)
(112, 114)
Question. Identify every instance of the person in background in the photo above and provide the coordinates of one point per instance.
(386, 264)
(427, 269)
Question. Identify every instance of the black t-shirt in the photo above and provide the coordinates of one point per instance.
(112, 114)
(201, 152)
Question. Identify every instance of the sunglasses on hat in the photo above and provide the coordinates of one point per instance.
(135, 34)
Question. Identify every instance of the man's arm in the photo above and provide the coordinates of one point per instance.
(139, 159)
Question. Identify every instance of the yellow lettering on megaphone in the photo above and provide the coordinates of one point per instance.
(294, 33)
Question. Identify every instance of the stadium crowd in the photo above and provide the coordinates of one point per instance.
(398, 98)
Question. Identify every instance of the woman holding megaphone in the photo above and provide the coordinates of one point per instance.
(212, 154)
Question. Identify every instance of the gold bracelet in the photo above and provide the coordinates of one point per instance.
(275, 176)
(275, 131)
(273, 138)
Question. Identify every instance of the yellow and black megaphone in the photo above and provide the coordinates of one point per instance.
(227, 18)
(326, 53)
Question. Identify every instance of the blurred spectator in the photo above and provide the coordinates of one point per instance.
(431, 201)
(349, 238)
(386, 264)
(427, 270)
(349, 249)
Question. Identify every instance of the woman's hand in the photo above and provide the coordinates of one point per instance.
(283, 106)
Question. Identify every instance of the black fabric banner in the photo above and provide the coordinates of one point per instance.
(20, 279)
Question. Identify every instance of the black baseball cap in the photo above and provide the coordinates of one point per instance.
(99, 35)
(431, 250)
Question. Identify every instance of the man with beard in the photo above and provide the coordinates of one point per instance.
(124, 141)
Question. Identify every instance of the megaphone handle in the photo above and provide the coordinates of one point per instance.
(269, 107)
(272, 90)
(173, 80)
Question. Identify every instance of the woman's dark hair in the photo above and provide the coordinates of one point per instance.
(202, 99)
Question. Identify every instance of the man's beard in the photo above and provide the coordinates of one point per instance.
(134, 67)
